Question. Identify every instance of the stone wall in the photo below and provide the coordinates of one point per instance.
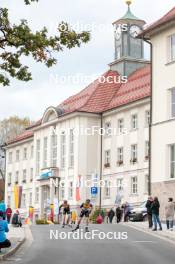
(163, 190)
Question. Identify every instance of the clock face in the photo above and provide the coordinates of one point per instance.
(134, 31)
(118, 32)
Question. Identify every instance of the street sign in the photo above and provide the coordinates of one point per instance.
(94, 190)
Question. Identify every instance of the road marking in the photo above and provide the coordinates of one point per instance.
(144, 241)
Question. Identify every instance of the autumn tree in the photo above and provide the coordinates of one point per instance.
(11, 127)
(18, 40)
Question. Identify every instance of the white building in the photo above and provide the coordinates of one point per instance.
(162, 36)
(68, 140)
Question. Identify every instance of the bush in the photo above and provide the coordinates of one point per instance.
(96, 213)
(41, 222)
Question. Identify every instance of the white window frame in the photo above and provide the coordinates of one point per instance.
(24, 176)
(63, 150)
(172, 90)
(146, 150)
(134, 153)
(16, 177)
(147, 118)
(172, 162)
(107, 158)
(9, 178)
(107, 189)
(171, 56)
(10, 157)
(119, 185)
(71, 190)
(25, 153)
(120, 156)
(17, 155)
(38, 149)
(45, 147)
(134, 185)
(134, 121)
(54, 150)
(120, 125)
(108, 129)
(71, 148)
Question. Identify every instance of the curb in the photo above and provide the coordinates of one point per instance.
(14, 249)
(166, 237)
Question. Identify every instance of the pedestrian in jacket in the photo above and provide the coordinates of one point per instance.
(149, 211)
(169, 213)
(155, 213)
(118, 214)
(8, 214)
(4, 242)
(111, 215)
(3, 208)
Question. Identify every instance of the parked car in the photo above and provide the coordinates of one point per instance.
(138, 213)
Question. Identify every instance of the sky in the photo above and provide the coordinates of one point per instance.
(77, 67)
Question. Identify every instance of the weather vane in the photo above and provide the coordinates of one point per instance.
(128, 2)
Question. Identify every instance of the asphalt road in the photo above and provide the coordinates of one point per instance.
(138, 248)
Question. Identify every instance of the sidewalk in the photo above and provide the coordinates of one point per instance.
(17, 237)
(143, 226)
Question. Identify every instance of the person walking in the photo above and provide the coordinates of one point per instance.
(126, 210)
(118, 214)
(8, 214)
(111, 215)
(4, 242)
(3, 208)
(169, 214)
(155, 206)
(149, 211)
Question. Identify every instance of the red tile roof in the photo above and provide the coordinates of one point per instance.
(24, 135)
(102, 95)
(137, 87)
(163, 20)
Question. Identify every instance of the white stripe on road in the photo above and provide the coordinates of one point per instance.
(144, 241)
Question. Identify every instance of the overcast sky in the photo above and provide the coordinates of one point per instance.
(75, 67)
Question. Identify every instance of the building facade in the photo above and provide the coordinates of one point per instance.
(162, 36)
(97, 138)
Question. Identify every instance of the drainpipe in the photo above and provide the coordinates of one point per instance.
(101, 159)
(151, 117)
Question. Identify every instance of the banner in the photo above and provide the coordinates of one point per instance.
(17, 196)
(78, 198)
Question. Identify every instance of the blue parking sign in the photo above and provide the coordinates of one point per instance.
(94, 190)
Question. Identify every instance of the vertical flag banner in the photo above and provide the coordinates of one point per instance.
(17, 196)
(78, 198)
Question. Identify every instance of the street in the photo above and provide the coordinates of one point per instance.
(139, 248)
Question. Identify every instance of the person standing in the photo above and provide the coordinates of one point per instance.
(111, 215)
(169, 214)
(118, 214)
(126, 210)
(4, 242)
(8, 214)
(155, 206)
(3, 208)
(149, 212)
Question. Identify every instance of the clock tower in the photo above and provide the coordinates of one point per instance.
(129, 50)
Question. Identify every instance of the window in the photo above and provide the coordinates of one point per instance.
(172, 161)
(17, 177)
(37, 195)
(146, 150)
(54, 150)
(147, 118)
(70, 190)
(45, 153)
(134, 185)
(118, 52)
(30, 198)
(120, 156)
(9, 178)
(172, 48)
(107, 158)
(133, 153)
(173, 102)
(107, 189)
(120, 125)
(134, 122)
(119, 185)
(37, 157)
(31, 151)
(10, 157)
(108, 129)
(63, 150)
(25, 153)
(62, 191)
(24, 176)
(71, 149)
(17, 155)
(31, 174)
(23, 200)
